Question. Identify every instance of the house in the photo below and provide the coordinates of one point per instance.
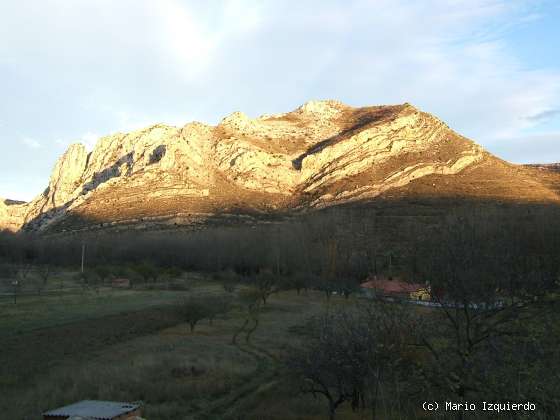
(390, 287)
(120, 283)
(423, 293)
(96, 410)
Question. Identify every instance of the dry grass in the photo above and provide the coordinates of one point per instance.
(150, 355)
(108, 348)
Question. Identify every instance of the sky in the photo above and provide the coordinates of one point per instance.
(72, 71)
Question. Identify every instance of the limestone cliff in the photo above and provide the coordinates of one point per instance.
(12, 214)
(321, 154)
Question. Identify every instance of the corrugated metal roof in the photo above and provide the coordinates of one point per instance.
(99, 410)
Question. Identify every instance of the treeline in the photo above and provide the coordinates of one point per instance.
(335, 245)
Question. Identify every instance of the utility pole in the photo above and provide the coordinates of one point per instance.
(15, 284)
(83, 256)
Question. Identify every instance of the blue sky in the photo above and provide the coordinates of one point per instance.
(72, 71)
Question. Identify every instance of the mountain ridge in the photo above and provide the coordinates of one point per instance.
(321, 154)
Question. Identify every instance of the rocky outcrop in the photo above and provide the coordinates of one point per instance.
(67, 176)
(12, 214)
(320, 154)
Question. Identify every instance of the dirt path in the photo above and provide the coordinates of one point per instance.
(265, 376)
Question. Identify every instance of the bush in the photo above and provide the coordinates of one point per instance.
(195, 309)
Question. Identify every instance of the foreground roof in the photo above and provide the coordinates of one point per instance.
(99, 410)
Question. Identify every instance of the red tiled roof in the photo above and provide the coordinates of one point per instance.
(392, 286)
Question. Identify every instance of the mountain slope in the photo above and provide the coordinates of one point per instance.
(321, 154)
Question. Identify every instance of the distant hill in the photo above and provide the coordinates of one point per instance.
(555, 167)
(9, 202)
(322, 154)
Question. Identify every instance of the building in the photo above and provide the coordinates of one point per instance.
(379, 286)
(423, 293)
(96, 410)
(120, 283)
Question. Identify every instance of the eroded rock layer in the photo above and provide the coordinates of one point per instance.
(321, 154)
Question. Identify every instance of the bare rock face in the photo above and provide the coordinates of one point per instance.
(67, 175)
(12, 214)
(321, 154)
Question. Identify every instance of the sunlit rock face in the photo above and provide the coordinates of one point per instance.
(321, 154)
(12, 214)
(67, 175)
(323, 142)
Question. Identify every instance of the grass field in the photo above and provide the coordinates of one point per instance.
(133, 345)
(130, 345)
(57, 306)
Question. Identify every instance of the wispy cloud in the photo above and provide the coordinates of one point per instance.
(31, 143)
(133, 63)
(544, 115)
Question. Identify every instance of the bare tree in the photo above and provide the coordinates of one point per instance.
(9, 273)
(348, 353)
(218, 306)
(22, 275)
(193, 310)
(265, 283)
(487, 289)
(45, 272)
(251, 302)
